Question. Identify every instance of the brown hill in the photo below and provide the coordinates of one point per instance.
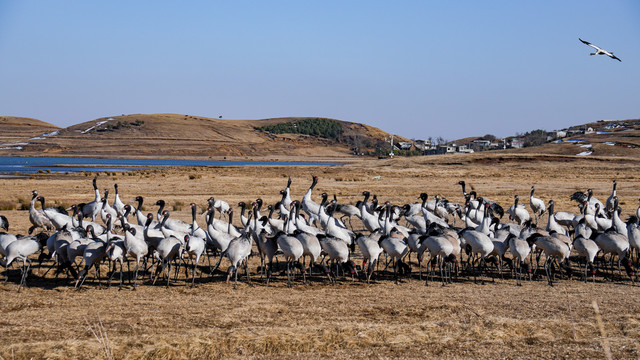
(17, 130)
(172, 135)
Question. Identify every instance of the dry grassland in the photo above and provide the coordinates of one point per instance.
(347, 320)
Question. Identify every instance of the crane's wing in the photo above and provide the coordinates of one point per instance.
(579, 197)
(590, 44)
(615, 57)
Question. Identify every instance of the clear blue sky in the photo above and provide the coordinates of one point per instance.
(414, 68)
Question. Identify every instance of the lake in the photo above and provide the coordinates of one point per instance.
(13, 164)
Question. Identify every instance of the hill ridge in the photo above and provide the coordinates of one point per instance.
(177, 135)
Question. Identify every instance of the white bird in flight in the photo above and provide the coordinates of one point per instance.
(599, 51)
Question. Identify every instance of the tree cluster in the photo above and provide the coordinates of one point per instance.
(325, 128)
(534, 137)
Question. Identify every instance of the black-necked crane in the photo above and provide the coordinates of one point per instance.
(136, 248)
(537, 205)
(347, 211)
(588, 249)
(475, 242)
(616, 222)
(106, 209)
(171, 223)
(603, 222)
(77, 246)
(395, 245)
(168, 249)
(590, 200)
(428, 215)
(369, 220)
(518, 212)
(237, 252)
(600, 51)
(415, 208)
(140, 217)
(152, 236)
(610, 203)
(92, 209)
(552, 224)
(118, 205)
(553, 248)
(124, 222)
(21, 249)
(267, 246)
(220, 205)
(63, 238)
(218, 239)
(564, 218)
(309, 241)
(169, 231)
(332, 226)
(286, 195)
(93, 254)
(276, 224)
(473, 202)
(370, 250)
(57, 215)
(300, 223)
(582, 229)
(292, 250)
(115, 253)
(5, 240)
(311, 207)
(439, 247)
(633, 232)
(338, 252)
(37, 217)
(195, 246)
(244, 221)
(611, 242)
(519, 250)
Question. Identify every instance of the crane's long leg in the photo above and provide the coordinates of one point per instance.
(372, 266)
(235, 282)
(113, 271)
(193, 279)
(169, 273)
(97, 265)
(246, 268)
(135, 279)
(25, 271)
(120, 286)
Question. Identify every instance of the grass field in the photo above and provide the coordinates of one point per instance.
(51, 320)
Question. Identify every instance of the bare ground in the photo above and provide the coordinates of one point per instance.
(347, 320)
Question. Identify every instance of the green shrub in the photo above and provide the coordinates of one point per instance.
(321, 127)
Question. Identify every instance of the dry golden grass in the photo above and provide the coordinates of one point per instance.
(50, 320)
(179, 136)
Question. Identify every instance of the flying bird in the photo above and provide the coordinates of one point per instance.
(599, 51)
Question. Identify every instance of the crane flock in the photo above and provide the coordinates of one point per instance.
(317, 241)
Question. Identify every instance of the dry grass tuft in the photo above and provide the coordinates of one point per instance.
(100, 333)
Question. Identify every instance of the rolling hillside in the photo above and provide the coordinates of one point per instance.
(16, 131)
(172, 135)
(180, 136)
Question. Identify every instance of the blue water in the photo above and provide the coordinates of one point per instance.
(13, 164)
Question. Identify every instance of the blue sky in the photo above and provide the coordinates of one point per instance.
(413, 68)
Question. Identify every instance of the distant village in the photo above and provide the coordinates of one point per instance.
(485, 143)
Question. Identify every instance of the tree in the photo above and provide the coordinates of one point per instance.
(534, 138)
